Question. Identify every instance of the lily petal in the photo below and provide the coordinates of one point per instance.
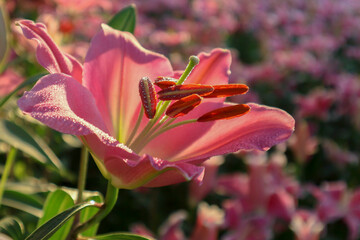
(214, 68)
(47, 53)
(62, 103)
(259, 129)
(113, 67)
(149, 172)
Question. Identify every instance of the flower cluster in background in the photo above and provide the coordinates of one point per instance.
(300, 56)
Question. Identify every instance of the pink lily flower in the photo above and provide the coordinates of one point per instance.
(103, 108)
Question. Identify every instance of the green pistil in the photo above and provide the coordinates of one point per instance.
(193, 61)
(152, 130)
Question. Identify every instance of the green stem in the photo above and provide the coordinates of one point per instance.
(8, 165)
(110, 201)
(84, 159)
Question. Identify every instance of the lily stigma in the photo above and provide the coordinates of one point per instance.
(162, 114)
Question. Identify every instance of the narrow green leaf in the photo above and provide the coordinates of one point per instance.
(24, 202)
(57, 202)
(12, 227)
(50, 227)
(125, 20)
(3, 35)
(17, 137)
(87, 213)
(120, 236)
(28, 82)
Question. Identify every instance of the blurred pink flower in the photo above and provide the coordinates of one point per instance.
(102, 106)
(316, 104)
(335, 202)
(339, 156)
(9, 80)
(198, 192)
(261, 197)
(306, 225)
(209, 219)
(302, 143)
(170, 230)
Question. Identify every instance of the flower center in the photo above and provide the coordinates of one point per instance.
(177, 99)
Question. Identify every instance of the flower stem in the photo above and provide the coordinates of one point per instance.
(8, 165)
(84, 159)
(110, 201)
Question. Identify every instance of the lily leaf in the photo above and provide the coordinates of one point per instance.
(28, 82)
(120, 236)
(46, 230)
(25, 202)
(125, 20)
(57, 202)
(17, 137)
(87, 213)
(12, 227)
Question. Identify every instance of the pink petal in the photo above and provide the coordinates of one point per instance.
(260, 129)
(214, 68)
(281, 204)
(171, 229)
(62, 103)
(149, 172)
(9, 80)
(113, 67)
(48, 54)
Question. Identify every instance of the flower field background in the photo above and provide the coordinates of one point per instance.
(299, 56)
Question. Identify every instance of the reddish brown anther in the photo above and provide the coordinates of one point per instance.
(227, 90)
(225, 113)
(179, 91)
(148, 96)
(165, 82)
(183, 106)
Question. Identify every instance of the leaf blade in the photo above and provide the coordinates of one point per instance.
(120, 236)
(46, 230)
(125, 19)
(17, 137)
(57, 202)
(12, 227)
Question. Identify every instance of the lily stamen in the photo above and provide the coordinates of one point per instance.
(225, 113)
(180, 91)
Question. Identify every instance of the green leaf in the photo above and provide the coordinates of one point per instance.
(125, 20)
(17, 137)
(28, 82)
(12, 227)
(22, 201)
(3, 36)
(46, 230)
(57, 202)
(87, 213)
(120, 236)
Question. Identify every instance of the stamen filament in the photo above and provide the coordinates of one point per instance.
(160, 110)
(163, 129)
(137, 124)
